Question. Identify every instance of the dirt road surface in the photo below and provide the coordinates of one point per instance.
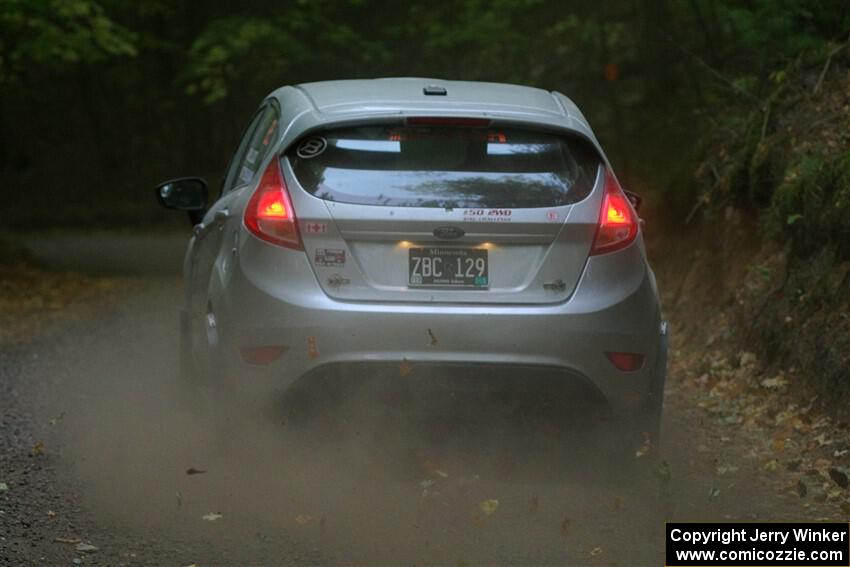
(96, 447)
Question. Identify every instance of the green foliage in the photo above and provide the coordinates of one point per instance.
(812, 204)
(765, 36)
(652, 76)
(224, 54)
(57, 34)
(787, 26)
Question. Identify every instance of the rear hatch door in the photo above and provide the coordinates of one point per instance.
(444, 212)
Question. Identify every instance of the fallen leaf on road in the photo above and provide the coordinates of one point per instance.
(713, 494)
(37, 449)
(489, 506)
(405, 367)
(86, 547)
(725, 468)
(3, 487)
(565, 527)
(433, 468)
(212, 517)
(51, 514)
(747, 359)
(770, 465)
(596, 551)
(303, 519)
(68, 540)
(840, 476)
(774, 383)
(193, 470)
(823, 441)
(644, 449)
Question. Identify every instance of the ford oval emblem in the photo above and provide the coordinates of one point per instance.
(448, 232)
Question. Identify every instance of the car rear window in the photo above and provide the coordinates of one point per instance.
(439, 166)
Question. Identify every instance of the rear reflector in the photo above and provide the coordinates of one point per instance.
(448, 121)
(626, 361)
(618, 223)
(269, 214)
(261, 355)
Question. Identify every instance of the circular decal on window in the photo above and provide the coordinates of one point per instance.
(311, 147)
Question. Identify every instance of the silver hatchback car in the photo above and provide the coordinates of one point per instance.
(424, 228)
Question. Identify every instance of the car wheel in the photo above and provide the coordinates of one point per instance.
(202, 367)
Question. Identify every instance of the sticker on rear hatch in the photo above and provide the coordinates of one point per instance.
(329, 257)
(311, 147)
(316, 227)
(487, 215)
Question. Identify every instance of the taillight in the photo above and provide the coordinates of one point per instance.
(618, 223)
(626, 361)
(261, 355)
(269, 214)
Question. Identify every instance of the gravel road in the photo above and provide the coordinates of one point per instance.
(96, 448)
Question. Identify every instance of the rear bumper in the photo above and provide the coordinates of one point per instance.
(573, 336)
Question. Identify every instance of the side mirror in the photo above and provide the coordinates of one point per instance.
(188, 194)
(634, 199)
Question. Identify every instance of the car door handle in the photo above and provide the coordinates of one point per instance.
(219, 218)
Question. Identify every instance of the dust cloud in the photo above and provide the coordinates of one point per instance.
(364, 477)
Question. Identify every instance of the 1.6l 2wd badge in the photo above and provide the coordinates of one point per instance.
(330, 257)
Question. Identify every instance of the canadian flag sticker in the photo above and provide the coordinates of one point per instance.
(316, 227)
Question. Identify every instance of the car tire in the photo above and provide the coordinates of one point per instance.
(642, 456)
(202, 364)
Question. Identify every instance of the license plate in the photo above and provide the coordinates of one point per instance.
(448, 267)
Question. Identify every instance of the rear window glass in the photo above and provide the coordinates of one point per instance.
(432, 166)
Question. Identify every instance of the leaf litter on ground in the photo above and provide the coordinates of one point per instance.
(787, 436)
